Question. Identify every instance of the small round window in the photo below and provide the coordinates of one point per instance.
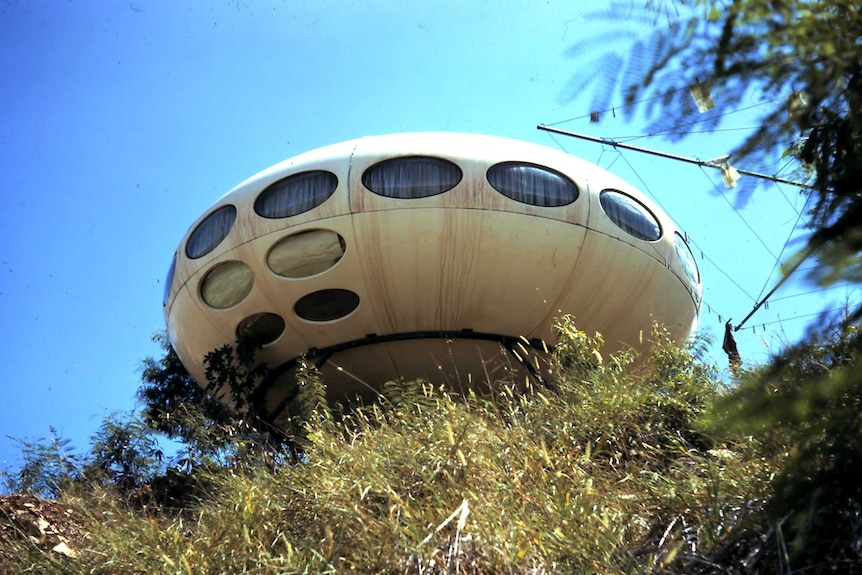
(169, 281)
(326, 305)
(630, 215)
(227, 284)
(260, 328)
(411, 177)
(306, 253)
(532, 184)
(686, 258)
(295, 194)
(210, 232)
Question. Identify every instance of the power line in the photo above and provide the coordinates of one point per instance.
(842, 286)
(706, 163)
(786, 242)
(807, 315)
(741, 217)
(690, 240)
(773, 290)
(680, 133)
(711, 116)
(718, 163)
(727, 275)
(613, 109)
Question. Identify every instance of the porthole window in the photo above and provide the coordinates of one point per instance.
(630, 215)
(260, 328)
(686, 258)
(169, 281)
(411, 177)
(532, 184)
(326, 305)
(295, 194)
(210, 232)
(306, 254)
(227, 284)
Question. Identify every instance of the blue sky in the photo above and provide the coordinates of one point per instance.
(122, 122)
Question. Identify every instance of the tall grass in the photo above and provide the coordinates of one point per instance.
(608, 472)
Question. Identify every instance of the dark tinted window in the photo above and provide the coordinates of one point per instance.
(411, 177)
(169, 281)
(326, 305)
(295, 194)
(630, 215)
(532, 184)
(210, 232)
(260, 328)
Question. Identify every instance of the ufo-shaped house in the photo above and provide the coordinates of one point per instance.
(437, 255)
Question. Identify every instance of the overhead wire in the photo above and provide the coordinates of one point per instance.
(617, 148)
(782, 320)
(713, 116)
(776, 259)
(613, 109)
(675, 131)
(691, 241)
(784, 247)
(680, 133)
(819, 290)
(670, 130)
(727, 275)
(741, 217)
(696, 161)
(781, 190)
(641, 180)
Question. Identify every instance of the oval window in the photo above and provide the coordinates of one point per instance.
(260, 328)
(411, 177)
(326, 305)
(306, 254)
(532, 184)
(630, 215)
(295, 194)
(227, 284)
(686, 258)
(169, 281)
(210, 232)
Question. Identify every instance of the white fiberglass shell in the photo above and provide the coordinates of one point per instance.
(392, 280)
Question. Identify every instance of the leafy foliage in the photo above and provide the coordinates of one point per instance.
(232, 376)
(223, 422)
(806, 406)
(124, 452)
(49, 465)
(801, 59)
(176, 406)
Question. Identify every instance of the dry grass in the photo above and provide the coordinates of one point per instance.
(608, 474)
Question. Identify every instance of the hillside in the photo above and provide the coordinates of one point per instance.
(615, 469)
